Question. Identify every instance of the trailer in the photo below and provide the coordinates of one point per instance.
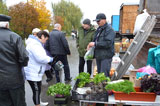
(128, 14)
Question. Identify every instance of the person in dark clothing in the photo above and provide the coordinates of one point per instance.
(58, 47)
(85, 35)
(13, 57)
(104, 44)
(49, 69)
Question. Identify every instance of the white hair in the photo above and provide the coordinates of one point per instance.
(35, 30)
(4, 24)
(57, 25)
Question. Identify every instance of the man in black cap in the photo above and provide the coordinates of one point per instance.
(104, 44)
(85, 35)
(13, 56)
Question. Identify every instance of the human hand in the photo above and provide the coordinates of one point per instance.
(91, 44)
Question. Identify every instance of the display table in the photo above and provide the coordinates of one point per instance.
(112, 100)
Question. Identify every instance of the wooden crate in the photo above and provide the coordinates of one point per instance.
(128, 14)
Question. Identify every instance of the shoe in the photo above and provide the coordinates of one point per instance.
(43, 103)
(68, 80)
(49, 79)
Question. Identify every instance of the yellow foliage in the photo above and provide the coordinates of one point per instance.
(44, 14)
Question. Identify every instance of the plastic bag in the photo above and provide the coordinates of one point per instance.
(140, 19)
(89, 54)
(59, 65)
(115, 62)
(140, 74)
(147, 69)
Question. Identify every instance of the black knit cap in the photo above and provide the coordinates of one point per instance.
(87, 21)
(100, 16)
(4, 17)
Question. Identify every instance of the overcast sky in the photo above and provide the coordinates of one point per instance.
(90, 8)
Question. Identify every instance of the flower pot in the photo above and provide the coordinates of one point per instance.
(61, 100)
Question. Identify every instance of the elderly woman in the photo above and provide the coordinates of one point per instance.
(37, 63)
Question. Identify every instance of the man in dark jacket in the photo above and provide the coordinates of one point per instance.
(58, 46)
(85, 35)
(104, 44)
(13, 56)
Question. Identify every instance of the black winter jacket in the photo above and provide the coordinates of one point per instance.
(13, 56)
(57, 43)
(104, 42)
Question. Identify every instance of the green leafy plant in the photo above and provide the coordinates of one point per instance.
(59, 89)
(100, 77)
(89, 57)
(124, 86)
(84, 78)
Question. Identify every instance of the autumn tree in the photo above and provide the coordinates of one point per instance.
(24, 18)
(69, 13)
(59, 20)
(44, 14)
(3, 8)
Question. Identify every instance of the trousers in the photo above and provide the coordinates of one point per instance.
(82, 63)
(13, 97)
(63, 59)
(36, 89)
(104, 66)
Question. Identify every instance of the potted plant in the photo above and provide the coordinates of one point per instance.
(60, 91)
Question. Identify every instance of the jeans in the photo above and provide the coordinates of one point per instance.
(81, 65)
(13, 97)
(63, 59)
(104, 66)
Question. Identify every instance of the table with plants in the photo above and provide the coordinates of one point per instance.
(100, 89)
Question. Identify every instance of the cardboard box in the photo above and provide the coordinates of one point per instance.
(132, 78)
(117, 47)
(125, 46)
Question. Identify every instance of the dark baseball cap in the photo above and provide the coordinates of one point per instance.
(100, 16)
(4, 17)
(87, 21)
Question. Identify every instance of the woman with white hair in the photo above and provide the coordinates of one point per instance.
(33, 35)
(37, 63)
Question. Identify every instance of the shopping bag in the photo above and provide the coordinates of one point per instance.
(140, 20)
(147, 69)
(59, 66)
(89, 54)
